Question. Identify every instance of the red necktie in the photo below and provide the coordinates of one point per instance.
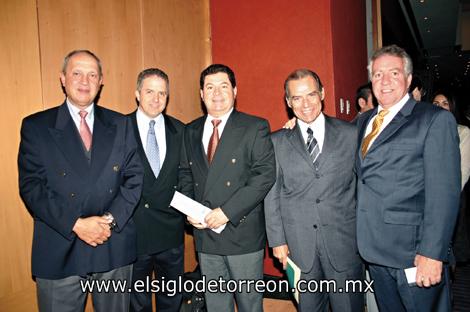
(214, 140)
(85, 132)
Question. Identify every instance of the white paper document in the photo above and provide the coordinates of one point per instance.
(410, 274)
(193, 209)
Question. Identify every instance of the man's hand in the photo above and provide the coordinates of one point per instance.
(290, 124)
(428, 271)
(92, 230)
(216, 218)
(281, 253)
(195, 223)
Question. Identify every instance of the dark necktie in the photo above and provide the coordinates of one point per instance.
(312, 145)
(153, 152)
(214, 140)
(85, 132)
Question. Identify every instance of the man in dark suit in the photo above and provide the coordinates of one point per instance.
(81, 178)
(364, 100)
(311, 210)
(408, 168)
(231, 176)
(160, 228)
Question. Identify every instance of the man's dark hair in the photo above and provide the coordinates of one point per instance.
(89, 53)
(215, 69)
(299, 74)
(149, 72)
(363, 92)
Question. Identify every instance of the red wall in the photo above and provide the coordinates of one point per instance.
(264, 40)
(349, 50)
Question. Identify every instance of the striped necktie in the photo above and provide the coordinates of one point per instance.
(312, 145)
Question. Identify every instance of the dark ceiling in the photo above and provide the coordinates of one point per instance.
(436, 33)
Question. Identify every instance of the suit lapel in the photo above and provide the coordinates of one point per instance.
(104, 134)
(297, 142)
(68, 141)
(230, 139)
(329, 143)
(397, 122)
(171, 149)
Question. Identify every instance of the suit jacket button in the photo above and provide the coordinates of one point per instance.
(110, 191)
(147, 205)
(315, 226)
(174, 186)
(63, 173)
(363, 182)
(317, 201)
(190, 163)
(196, 184)
(234, 160)
(72, 194)
(317, 176)
(228, 183)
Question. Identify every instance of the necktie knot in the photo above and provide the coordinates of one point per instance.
(216, 122)
(83, 114)
(309, 131)
(383, 113)
(152, 125)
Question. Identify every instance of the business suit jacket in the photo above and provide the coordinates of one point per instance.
(159, 226)
(309, 200)
(58, 186)
(239, 177)
(408, 186)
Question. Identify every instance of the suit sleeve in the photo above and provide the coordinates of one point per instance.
(127, 198)
(185, 175)
(44, 204)
(465, 154)
(272, 212)
(441, 159)
(261, 177)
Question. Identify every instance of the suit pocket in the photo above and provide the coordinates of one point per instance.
(403, 217)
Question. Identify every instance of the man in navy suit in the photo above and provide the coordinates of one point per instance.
(160, 228)
(408, 168)
(231, 176)
(80, 177)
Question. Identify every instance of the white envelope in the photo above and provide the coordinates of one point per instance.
(193, 209)
(410, 274)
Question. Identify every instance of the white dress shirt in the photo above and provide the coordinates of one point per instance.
(318, 128)
(75, 114)
(392, 111)
(209, 128)
(143, 124)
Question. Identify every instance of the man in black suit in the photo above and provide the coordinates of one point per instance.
(160, 228)
(81, 178)
(231, 176)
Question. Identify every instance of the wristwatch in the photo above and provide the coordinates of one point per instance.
(109, 216)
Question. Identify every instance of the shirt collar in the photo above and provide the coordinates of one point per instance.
(222, 118)
(74, 111)
(317, 125)
(141, 116)
(397, 107)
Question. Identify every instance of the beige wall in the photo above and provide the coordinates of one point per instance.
(128, 35)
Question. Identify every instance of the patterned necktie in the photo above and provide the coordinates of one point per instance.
(375, 130)
(85, 132)
(214, 140)
(152, 151)
(312, 145)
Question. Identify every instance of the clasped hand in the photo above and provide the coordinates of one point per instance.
(93, 230)
(213, 220)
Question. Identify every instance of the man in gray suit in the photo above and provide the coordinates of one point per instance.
(310, 211)
(408, 167)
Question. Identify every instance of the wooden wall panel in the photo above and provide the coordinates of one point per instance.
(110, 29)
(176, 38)
(127, 35)
(20, 87)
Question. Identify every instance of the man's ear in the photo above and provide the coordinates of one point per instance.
(62, 78)
(202, 95)
(137, 95)
(235, 92)
(322, 94)
(288, 102)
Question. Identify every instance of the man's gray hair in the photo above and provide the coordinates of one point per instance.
(75, 52)
(393, 50)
